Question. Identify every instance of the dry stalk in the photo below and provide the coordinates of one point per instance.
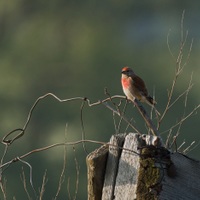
(44, 181)
(23, 178)
(178, 70)
(62, 175)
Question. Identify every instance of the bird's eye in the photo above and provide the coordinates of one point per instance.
(125, 71)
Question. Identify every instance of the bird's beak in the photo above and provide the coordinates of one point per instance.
(123, 72)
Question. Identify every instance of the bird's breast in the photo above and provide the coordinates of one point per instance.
(125, 83)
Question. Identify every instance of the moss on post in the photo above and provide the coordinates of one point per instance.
(152, 164)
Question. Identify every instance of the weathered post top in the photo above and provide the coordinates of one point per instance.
(138, 167)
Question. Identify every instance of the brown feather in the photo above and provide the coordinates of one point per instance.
(151, 100)
(140, 85)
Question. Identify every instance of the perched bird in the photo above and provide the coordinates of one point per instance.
(134, 87)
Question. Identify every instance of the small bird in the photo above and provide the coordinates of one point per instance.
(134, 87)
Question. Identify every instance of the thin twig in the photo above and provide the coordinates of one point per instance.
(82, 127)
(23, 177)
(7, 141)
(181, 146)
(128, 126)
(62, 175)
(3, 188)
(123, 112)
(182, 94)
(179, 68)
(77, 174)
(188, 89)
(44, 181)
(174, 143)
(68, 189)
(187, 116)
(188, 148)
(183, 119)
(146, 118)
(115, 124)
(59, 144)
(182, 20)
(168, 45)
(168, 139)
(2, 184)
(122, 116)
(30, 174)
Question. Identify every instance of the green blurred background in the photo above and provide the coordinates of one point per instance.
(77, 48)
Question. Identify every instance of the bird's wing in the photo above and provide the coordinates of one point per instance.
(140, 85)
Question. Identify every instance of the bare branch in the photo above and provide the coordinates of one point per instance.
(182, 94)
(128, 125)
(122, 116)
(3, 188)
(191, 148)
(178, 69)
(183, 118)
(181, 145)
(146, 118)
(77, 174)
(2, 160)
(56, 145)
(117, 106)
(188, 89)
(31, 173)
(168, 45)
(3, 181)
(21, 131)
(188, 148)
(44, 181)
(68, 188)
(82, 126)
(168, 139)
(182, 20)
(122, 113)
(23, 177)
(62, 175)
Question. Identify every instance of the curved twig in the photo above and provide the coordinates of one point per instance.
(16, 159)
(7, 141)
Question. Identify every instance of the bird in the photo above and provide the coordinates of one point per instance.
(134, 87)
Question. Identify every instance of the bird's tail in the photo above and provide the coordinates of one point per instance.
(152, 102)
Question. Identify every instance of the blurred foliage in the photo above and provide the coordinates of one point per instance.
(76, 48)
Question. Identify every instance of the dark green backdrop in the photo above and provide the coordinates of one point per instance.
(76, 48)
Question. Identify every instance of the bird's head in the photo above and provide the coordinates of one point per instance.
(127, 71)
